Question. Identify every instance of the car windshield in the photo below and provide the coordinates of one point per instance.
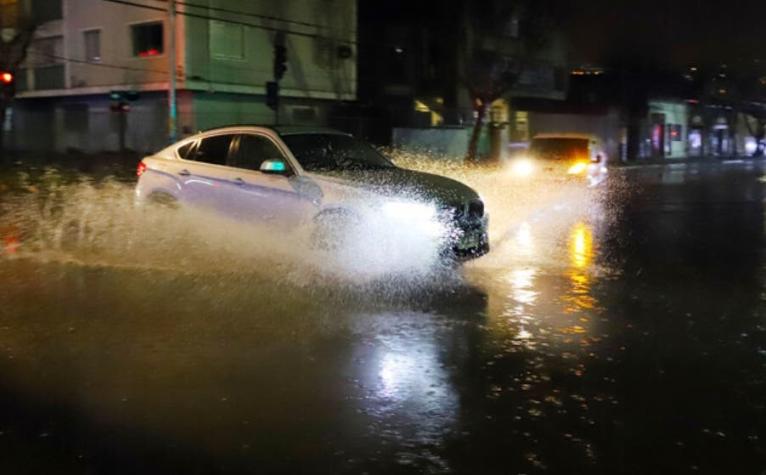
(559, 148)
(334, 153)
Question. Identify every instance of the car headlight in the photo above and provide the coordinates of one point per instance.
(409, 210)
(522, 167)
(578, 168)
(407, 217)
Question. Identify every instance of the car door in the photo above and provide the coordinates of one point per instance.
(204, 175)
(266, 197)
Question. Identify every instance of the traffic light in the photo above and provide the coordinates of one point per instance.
(280, 61)
(7, 84)
(272, 95)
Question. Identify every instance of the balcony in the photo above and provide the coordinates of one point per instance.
(41, 78)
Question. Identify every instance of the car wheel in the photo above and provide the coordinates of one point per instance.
(163, 200)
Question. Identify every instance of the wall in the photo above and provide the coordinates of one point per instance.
(675, 113)
(219, 109)
(222, 69)
(239, 59)
(117, 67)
(86, 124)
(450, 142)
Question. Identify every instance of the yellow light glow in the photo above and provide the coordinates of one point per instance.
(578, 168)
(525, 239)
(522, 167)
(581, 246)
(421, 106)
(581, 252)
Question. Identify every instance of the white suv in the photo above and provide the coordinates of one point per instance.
(297, 176)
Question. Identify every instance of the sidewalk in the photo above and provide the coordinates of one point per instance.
(654, 162)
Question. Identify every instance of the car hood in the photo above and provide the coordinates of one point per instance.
(400, 182)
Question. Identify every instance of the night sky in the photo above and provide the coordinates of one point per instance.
(666, 32)
(672, 32)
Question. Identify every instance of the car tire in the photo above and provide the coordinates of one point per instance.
(163, 200)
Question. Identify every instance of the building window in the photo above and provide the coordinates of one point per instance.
(227, 41)
(148, 39)
(92, 42)
(676, 132)
(46, 51)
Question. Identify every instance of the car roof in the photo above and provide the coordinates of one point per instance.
(281, 130)
(565, 135)
(306, 129)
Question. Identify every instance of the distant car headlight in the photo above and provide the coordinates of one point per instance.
(522, 167)
(578, 168)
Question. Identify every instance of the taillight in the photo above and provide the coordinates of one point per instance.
(141, 168)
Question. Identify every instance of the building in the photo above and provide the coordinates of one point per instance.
(98, 72)
(417, 59)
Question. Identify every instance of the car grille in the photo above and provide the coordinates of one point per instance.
(475, 209)
(467, 212)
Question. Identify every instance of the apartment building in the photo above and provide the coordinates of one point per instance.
(89, 56)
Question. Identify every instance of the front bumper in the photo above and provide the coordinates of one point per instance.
(472, 240)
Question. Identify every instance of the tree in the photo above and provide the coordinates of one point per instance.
(500, 43)
(17, 28)
(489, 78)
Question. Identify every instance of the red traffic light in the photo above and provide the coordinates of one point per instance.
(6, 77)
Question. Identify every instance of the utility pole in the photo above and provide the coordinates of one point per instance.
(172, 66)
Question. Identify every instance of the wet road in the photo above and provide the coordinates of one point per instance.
(617, 331)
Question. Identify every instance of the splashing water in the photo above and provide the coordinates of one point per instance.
(55, 216)
(529, 218)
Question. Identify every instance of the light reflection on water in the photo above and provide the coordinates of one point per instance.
(581, 254)
(537, 282)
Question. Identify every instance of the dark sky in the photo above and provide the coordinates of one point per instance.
(674, 32)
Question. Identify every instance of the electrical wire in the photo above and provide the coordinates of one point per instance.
(96, 63)
(256, 15)
(235, 22)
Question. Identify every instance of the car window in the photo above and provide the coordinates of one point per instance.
(186, 150)
(334, 153)
(213, 150)
(254, 150)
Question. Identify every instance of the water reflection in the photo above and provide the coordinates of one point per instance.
(525, 243)
(581, 253)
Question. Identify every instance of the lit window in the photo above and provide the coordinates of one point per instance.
(148, 39)
(92, 42)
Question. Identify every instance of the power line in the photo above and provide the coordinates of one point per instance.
(153, 71)
(235, 22)
(97, 64)
(255, 15)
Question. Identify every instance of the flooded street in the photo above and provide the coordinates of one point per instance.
(615, 330)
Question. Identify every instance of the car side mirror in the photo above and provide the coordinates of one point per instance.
(275, 166)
